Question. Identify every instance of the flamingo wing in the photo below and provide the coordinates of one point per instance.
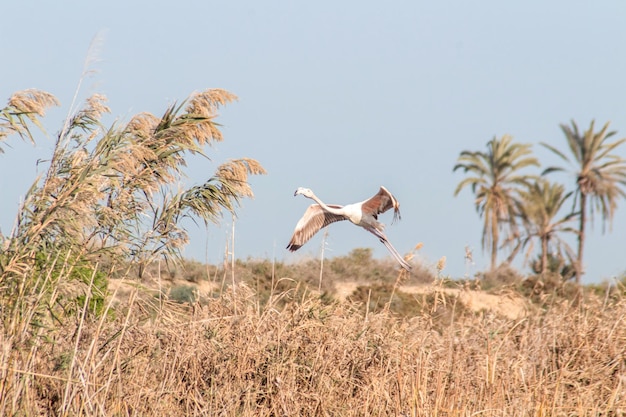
(314, 219)
(381, 202)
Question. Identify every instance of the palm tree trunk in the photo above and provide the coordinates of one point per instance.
(544, 255)
(494, 239)
(514, 252)
(581, 236)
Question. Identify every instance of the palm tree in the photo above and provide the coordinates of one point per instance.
(496, 181)
(600, 177)
(538, 208)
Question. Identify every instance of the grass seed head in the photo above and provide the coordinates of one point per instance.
(32, 101)
(441, 264)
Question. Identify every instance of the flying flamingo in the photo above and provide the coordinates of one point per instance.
(364, 214)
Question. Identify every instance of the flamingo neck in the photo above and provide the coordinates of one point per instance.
(351, 212)
(325, 207)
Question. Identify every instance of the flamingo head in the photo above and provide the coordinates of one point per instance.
(304, 191)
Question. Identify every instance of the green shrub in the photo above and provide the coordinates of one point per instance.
(183, 294)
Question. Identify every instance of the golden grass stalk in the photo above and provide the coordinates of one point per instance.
(24, 106)
(228, 357)
(117, 196)
(107, 196)
(441, 264)
(32, 102)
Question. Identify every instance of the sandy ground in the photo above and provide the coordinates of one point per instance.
(510, 306)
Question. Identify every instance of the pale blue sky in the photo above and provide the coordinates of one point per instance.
(341, 97)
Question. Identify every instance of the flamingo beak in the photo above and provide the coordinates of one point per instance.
(295, 193)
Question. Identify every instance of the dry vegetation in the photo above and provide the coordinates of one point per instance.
(297, 353)
(89, 327)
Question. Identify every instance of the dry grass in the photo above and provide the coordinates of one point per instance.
(119, 190)
(261, 343)
(23, 107)
(232, 356)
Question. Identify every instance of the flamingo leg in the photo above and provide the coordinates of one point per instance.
(404, 264)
